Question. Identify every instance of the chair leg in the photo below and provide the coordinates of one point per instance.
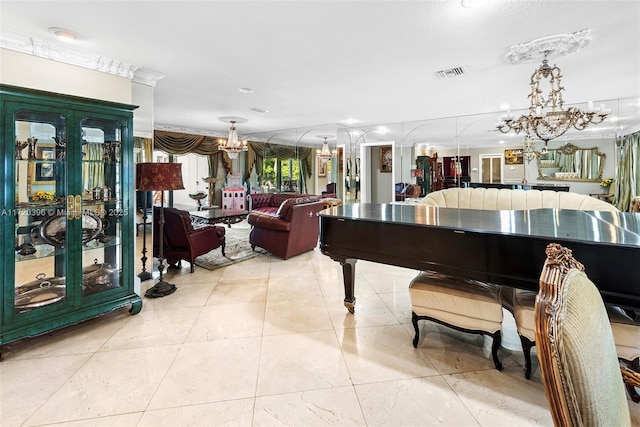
(635, 366)
(497, 341)
(526, 349)
(414, 320)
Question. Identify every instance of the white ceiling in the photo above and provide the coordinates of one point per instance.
(324, 62)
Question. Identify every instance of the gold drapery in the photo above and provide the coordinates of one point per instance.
(184, 143)
(145, 149)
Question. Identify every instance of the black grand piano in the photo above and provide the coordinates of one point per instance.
(502, 247)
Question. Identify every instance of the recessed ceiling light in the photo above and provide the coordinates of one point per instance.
(245, 90)
(64, 34)
(473, 3)
(259, 110)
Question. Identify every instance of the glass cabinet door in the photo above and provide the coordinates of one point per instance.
(102, 257)
(40, 210)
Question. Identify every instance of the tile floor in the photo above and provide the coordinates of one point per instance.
(268, 342)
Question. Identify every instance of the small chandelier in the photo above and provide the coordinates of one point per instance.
(325, 152)
(232, 144)
(547, 119)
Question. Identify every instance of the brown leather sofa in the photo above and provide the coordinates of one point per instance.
(183, 241)
(287, 230)
(406, 191)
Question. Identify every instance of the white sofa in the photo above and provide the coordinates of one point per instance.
(506, 199)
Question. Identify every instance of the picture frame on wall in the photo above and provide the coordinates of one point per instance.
(322, 167)
(513, 157)
(386, 158)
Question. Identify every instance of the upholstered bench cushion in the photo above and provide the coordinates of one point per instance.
(626, 333)
(524, 313)
(464, 303)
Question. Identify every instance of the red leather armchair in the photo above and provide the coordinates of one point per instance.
(290, 231)
(183, 241)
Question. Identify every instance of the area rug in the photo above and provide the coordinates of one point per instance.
(237, 248)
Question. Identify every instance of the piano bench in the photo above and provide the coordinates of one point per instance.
(462, 304)
(626, 333)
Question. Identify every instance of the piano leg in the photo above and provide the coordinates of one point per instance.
(349, 278)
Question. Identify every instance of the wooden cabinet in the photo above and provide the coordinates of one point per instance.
(67, 211)
(457, 171)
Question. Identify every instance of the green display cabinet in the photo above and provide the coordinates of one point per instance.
(423, 178)
(67, 211)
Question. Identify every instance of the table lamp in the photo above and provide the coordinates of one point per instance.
(159, 177)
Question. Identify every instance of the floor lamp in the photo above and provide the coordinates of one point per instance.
(144, 274)
(159, 177)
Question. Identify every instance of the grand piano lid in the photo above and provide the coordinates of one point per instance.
(584, 226)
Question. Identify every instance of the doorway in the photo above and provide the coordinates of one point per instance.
(491, 168)
(382, 188)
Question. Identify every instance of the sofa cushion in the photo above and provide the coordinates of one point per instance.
(506, 199)
(283, 210)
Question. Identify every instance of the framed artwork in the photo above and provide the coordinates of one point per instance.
(513, 157)
(340, 160)
(386, 157)
(322, 167)
(44, 171)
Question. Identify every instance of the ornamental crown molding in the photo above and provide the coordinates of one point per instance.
(69, 55)
(191, 131)
(552, 46)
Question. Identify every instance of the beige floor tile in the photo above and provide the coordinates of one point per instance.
(300, 362)
(25, 385)
(239, 291)
(296, 315)
(399, 303)
(151, 328)
(228, 321)
(490, 396)
(110, 383)
(370, 311)
(85, 337)
(112, 421)
(232, 413)
(207, 372)
(293, 287)
(337, 406)
(382, 353)
(413, 402)
(192, 293)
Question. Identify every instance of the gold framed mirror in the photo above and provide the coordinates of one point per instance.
(570, 163)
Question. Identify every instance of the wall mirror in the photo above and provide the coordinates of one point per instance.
(571, 163)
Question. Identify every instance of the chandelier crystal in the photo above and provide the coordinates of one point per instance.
(232, 145)
(325, 152)
(547, 119)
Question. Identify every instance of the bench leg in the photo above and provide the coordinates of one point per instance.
(497, 341)
(526, 349)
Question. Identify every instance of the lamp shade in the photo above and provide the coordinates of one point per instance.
(159, 176)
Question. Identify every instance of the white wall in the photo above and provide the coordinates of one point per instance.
(20, 69)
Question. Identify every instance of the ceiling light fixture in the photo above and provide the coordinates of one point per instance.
(547, 119)
(325, 152)
(245, 90)
(232, 145)
(64, 34)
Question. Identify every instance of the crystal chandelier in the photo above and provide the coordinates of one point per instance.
(325, 152)
(232, 144)
(547, 119)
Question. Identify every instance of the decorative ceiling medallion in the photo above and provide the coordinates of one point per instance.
(549, 46)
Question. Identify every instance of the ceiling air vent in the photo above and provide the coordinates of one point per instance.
(259, 110)
(451, 72)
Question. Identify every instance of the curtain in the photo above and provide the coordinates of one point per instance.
(184, 143)
(143, 148)
(627, 180)
(258, 151)
(93, 172)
